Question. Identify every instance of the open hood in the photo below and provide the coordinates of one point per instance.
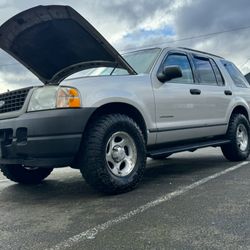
(56, 41)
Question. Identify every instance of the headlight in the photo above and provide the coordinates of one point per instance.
(53, 97)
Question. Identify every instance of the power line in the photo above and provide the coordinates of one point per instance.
(193, 37)
(245, 63)
(174, 41)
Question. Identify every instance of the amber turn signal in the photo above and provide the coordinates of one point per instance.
(68, 98)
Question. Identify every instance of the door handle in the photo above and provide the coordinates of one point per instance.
(195, 92)
(228, 92)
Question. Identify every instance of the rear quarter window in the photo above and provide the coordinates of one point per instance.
(237, 77)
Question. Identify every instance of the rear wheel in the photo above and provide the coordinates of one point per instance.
(113, 156)
(25, 175)
(238, 132)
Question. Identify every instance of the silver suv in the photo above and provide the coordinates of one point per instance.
(104, 113)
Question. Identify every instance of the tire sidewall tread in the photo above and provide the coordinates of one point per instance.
(19, 174)
(231, 150)
(92, 161)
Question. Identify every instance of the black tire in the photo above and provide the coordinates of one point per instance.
(24, 175)
(160, 157)
(92, 160)
(234, 151)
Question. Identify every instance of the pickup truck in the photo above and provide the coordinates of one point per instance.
(105, 113)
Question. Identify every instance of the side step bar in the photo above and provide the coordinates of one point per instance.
(187, 147)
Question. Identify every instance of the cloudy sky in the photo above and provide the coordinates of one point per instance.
(128, 24)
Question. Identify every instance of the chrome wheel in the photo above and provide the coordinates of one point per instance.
(121, 154)
(242, 137)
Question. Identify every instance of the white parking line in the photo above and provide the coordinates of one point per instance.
(91, 233)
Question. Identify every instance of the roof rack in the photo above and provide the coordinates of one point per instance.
(198, 51)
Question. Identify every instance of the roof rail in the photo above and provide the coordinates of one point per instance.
(198, 51)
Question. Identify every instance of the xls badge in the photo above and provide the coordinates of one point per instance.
(2, 103)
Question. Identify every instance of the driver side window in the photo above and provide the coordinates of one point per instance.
(183, 62)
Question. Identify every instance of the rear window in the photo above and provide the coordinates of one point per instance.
(238, 78)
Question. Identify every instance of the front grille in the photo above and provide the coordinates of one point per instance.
(13, 100)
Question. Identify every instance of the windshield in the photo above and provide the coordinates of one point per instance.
(141, 61)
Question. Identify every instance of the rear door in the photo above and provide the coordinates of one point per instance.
(215, 92)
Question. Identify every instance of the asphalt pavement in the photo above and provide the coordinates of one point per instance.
(188, 201)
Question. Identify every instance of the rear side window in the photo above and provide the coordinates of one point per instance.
(204, 71)
(217, 72)
(238, 78)
(182, 61)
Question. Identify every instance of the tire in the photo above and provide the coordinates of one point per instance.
(24, 175)
(160, 157)
(238, 133)
(112, 157)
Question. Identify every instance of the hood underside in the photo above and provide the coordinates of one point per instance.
(56, 41)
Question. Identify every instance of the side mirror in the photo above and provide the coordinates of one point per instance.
(169, 73)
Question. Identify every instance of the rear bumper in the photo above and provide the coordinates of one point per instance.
(43, 139)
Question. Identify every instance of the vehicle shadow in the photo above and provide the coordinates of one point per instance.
(158, 175)
(184, 165)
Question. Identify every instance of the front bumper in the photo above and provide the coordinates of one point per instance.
(43, 139)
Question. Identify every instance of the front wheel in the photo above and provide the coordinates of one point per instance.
(25, 175)
(112, 158)
(238, 132)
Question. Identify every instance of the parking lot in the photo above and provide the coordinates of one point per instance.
(189, 201)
